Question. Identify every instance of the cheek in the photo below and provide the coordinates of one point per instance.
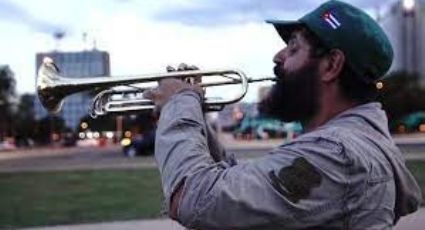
(296, 63)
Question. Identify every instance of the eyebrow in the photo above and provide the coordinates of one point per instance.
(292, 37)
(295, 36)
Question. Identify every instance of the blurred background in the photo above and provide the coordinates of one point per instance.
(69, 168)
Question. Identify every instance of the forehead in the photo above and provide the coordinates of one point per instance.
(298, 36)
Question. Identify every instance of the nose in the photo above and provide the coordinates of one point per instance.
(279, 57)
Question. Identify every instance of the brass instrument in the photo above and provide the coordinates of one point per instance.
(52, 88)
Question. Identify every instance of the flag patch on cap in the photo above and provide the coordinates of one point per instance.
(331, 20)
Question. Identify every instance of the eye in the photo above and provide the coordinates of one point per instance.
(292, 47)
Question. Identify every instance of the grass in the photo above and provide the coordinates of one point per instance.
(51, 198)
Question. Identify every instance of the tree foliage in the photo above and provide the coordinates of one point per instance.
(401, 95)
(140, 121)
(8, 101)
(7, 84)
(48, 125)
(24, 121)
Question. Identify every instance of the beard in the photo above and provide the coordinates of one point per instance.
(295, 95)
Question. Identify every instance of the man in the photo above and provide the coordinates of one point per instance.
(344, 172)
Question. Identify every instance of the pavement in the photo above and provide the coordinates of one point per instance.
(414, 221)
(158, 224)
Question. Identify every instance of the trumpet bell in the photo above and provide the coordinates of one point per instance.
(50, 96)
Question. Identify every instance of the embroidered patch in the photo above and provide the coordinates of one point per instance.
(296, 181)
(331, 20)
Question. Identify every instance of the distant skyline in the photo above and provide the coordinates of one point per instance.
(145, 36)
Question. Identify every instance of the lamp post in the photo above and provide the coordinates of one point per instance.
(409, 34)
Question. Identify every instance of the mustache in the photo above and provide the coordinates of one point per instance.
(277, 71)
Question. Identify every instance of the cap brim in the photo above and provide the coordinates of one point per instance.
(285, 28)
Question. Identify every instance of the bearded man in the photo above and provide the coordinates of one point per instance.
(344, 172)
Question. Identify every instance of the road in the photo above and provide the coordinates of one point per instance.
(76, 158)
(88, 158)
(108, 157)
(111, 157)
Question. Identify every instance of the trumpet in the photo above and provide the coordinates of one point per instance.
(52, 88)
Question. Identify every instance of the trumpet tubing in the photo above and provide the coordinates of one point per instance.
(52, 88)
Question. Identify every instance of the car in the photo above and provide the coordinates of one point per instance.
(265, 128)
(141, 145)
(7, 145)
(413, 122)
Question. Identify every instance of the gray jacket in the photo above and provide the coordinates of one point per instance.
(346, 174)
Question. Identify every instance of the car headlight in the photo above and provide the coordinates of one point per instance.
(125, 142)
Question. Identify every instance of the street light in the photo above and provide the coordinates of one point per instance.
(379, 85)
(409, 5)
(84, 125)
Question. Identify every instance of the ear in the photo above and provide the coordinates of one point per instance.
(331, 65)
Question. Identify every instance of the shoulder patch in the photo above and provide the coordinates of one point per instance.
(296, 181)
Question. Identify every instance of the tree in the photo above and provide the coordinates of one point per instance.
(25, 123)
(401, 95)
(8, 101)
(48, 126)
(141, 121)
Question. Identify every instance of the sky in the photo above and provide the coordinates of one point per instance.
(145, 36)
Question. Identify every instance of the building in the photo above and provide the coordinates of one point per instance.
(75, 65)
(404, 22)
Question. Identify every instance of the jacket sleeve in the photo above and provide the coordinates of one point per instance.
(217, 150)
(296, 186)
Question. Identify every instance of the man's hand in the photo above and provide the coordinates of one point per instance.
(169, 87)
(184, 67)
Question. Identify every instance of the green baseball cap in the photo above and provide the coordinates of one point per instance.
(342, 26)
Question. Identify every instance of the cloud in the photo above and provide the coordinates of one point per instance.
(224, 12)
(372, 3)
(15, 14)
